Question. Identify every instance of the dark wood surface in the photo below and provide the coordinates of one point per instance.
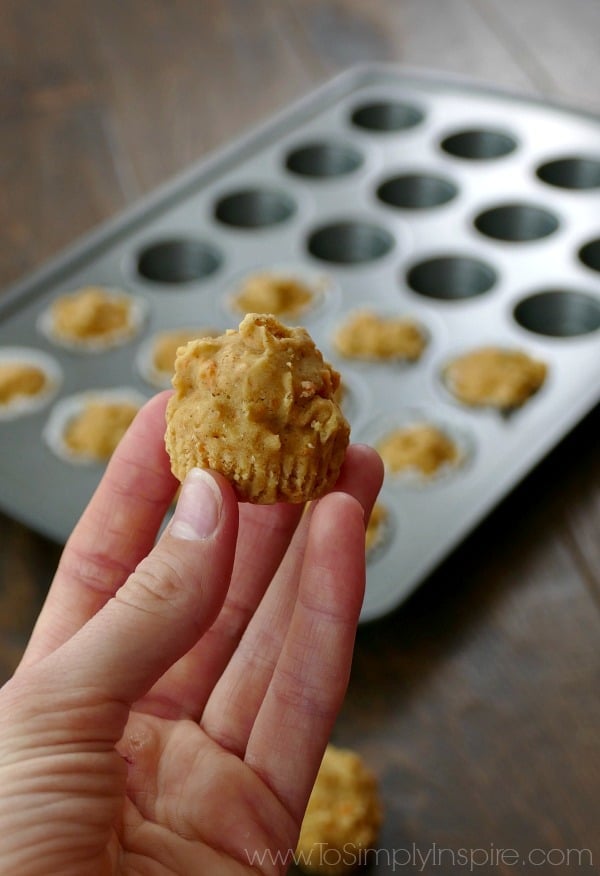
(477, 702)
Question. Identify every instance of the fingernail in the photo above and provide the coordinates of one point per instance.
(198, 509)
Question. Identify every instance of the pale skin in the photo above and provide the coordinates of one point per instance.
(174, 702)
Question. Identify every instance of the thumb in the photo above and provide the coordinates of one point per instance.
(165, 605)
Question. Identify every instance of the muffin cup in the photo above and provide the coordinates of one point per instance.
(68, 408)
(138, 310)
(21, 405)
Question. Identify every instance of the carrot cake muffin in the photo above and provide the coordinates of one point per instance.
(368, 335)
(420, 447)
(95, 432)
(343, 816)
(495, 377)
(257, 405)
(85, 428)
(28, 379)
(275, 293)
(92, 318)
(20, 379)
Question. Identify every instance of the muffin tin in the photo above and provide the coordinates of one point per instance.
(475, 212)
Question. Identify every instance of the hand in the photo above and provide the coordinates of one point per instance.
(174, 702)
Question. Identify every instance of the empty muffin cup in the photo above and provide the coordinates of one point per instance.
(350, 242)
(178, 260)
(571, 173)
(254, 208)
(479, 144)
(416, 191)
(451, 277)
(589, 254)
(516, 223)
(323, 160)
(559, 313)
(387, 115)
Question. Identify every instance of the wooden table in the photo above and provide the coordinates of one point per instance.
(476, 703)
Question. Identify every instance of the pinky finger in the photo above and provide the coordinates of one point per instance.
(295, 720)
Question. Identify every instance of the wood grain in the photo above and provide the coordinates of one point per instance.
(477, 702)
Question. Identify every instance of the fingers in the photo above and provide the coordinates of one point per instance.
(117, 529)
(188, 688)
(308, 684)
(164, 606)
(232, 707)
(264, 536)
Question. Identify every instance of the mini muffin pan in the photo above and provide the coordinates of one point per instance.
(475, 212)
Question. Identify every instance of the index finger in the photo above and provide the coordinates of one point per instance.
(116, 531)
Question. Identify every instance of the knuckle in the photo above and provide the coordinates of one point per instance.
(160, 585)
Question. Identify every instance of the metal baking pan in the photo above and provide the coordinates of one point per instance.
(473, 211)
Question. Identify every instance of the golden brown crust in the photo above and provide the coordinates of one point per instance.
(496, 377)
(343, 816)
(367, 335)
(257, 405)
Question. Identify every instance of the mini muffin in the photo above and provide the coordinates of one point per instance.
(368, 335)
(20, 379)
(278, 294)
(92, 318)
(420, 447)
(28, 378)
(376, 527)
(156, 356)
(86, 428)
(494, 377)
(343, 816)
(257, 405)
(98, 429)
